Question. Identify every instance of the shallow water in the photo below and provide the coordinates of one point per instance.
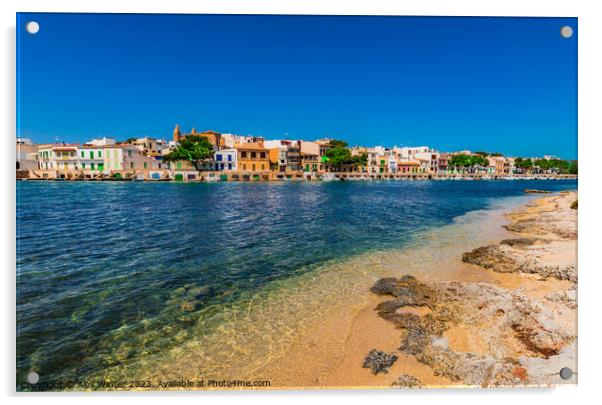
(163, 280)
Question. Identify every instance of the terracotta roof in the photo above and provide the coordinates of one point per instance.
(65, 147)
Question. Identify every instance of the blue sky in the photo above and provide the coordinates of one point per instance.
(497, 84)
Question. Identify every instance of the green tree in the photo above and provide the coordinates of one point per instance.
(337, 143)
(338, 156)
(360, 160)
(573, 169)
(523, 163)
(194, 149)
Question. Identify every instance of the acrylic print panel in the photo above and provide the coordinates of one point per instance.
(268, 202)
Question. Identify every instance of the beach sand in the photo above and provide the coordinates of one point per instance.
(537, 286)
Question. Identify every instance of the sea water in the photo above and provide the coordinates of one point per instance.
(127, 280)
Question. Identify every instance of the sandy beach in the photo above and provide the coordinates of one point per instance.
(502, 314)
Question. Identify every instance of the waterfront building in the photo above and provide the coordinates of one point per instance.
(277, 152)
(27, 154)
(91, 158)
(442, 163)
(392, 163)
(293, 156)
(409, 167)
(252, 157)
(225, 160)
(310, 156)
(59, 157)
(428, 159)
(127, 157)
(324, 145)
(377, 161)
(497, 165)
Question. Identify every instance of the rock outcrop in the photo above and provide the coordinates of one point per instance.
(379, 362)
(406, 381)
(489, 312)
(514, 258)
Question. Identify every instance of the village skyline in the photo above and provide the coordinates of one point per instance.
(166, 139)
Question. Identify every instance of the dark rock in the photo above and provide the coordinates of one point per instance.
(406, 381)
(379, 362)
(519, 242)
(491, 257)
(534, 191)
(574, 204)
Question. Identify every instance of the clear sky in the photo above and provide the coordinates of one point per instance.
(497, 84)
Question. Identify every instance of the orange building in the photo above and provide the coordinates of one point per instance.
(408, 167)
(252, 157)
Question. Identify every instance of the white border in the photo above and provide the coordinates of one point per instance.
(590, 131)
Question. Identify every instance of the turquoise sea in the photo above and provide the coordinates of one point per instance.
(130, 280)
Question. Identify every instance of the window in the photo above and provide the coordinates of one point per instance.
(83, 153)
(229, 166)
(262, 154)
(262, 166)
(99, 154)
(218, 157)
(254, 165)
(92, 166)
(101, 166)
(145, 165)
(131, 165)
(91, 154)
(83, 165)
(129, 153)
(229, 158)
(253, 155)
(244, 166)
(243, 155)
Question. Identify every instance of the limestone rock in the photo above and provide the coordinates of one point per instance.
(406, 381)
(379, 362)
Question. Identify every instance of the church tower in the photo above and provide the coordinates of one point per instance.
(177, 133)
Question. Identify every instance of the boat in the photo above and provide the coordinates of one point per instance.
(329, 177)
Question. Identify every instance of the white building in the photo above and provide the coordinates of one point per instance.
(27, 154)
(225, 160)
(101, 141)
(126, 157)
(91, 158)
(231, 140)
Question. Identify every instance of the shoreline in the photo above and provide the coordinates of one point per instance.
(200, 177)
(367, 330)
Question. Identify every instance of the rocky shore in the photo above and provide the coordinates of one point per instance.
(516, 328)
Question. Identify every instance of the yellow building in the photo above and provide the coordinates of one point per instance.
(252, 157)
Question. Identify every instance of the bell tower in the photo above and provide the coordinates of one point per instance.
(177, 133)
